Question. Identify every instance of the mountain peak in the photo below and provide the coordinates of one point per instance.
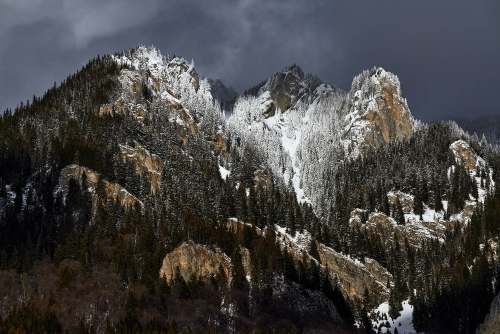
(291, 86)
(376, 109)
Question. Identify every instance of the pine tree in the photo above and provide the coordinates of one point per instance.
(398, 213)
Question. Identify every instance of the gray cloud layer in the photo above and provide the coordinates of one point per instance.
(445, 53)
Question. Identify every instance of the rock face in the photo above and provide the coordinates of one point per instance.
(376, 111)
(353, 276)
(194, 260)
(113, 191)
(151, 77)
(225, 95)
(491, 324)
(388, 231)
(286, 88)
(465, 155)
(145, 163)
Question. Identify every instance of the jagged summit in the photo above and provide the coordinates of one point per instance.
(376, 111)
(225, 95)
(292, 85)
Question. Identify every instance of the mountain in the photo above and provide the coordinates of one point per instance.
(130, 203)
(225, 95)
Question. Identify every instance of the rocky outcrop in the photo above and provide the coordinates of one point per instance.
(415, 230)
(196, 261)
(150, 77)
(465, 155)
(225, 95)
(261, 178)
(406, 200)
(376, 111)
(288, 87)
(353, 276)
(145, 163)
(219, 144)
(491, 323)
(112, 191)
(388, 231)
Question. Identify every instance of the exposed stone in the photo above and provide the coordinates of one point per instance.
(270, 111)
(113, 191)
(194, 260)
(261, 178)
(131, 82)
(406, 200)
(353, 276)
(105, 109)
(289, 86)
(464, 154)
(247, 263)
(378, 112)
(145, 163)
(179, 66)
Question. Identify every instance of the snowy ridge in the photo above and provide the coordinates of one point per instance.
(306, 127)
(170, 81)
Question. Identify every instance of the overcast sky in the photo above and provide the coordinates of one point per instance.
(446, 53)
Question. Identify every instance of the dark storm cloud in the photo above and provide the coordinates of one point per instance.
(445, 53)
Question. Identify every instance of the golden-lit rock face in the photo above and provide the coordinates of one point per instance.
(111, 191)
(194, 260)
(376, 111)
(491, 323)
(353, 276)
(145, 163)
(464, 154)
(356, 277)
(390, 119)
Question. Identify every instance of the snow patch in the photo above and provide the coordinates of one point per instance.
(224, 173)
(405, 319)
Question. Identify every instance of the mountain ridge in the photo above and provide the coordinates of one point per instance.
(131, 162)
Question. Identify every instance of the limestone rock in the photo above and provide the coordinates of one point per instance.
(376, 111)
(145, 163)
(113, 191)
(288, 87)
(353, 275)
(194, 260)
(465, 155)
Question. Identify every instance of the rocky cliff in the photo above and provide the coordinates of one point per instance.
(353, 275)
(376, 110)
(145, 163)
(112, 191)
(196, 261)
(289, 86)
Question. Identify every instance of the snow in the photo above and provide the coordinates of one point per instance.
(405, 318)
(290, 145)
(224, 173)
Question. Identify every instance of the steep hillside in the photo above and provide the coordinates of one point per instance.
(129, 203)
